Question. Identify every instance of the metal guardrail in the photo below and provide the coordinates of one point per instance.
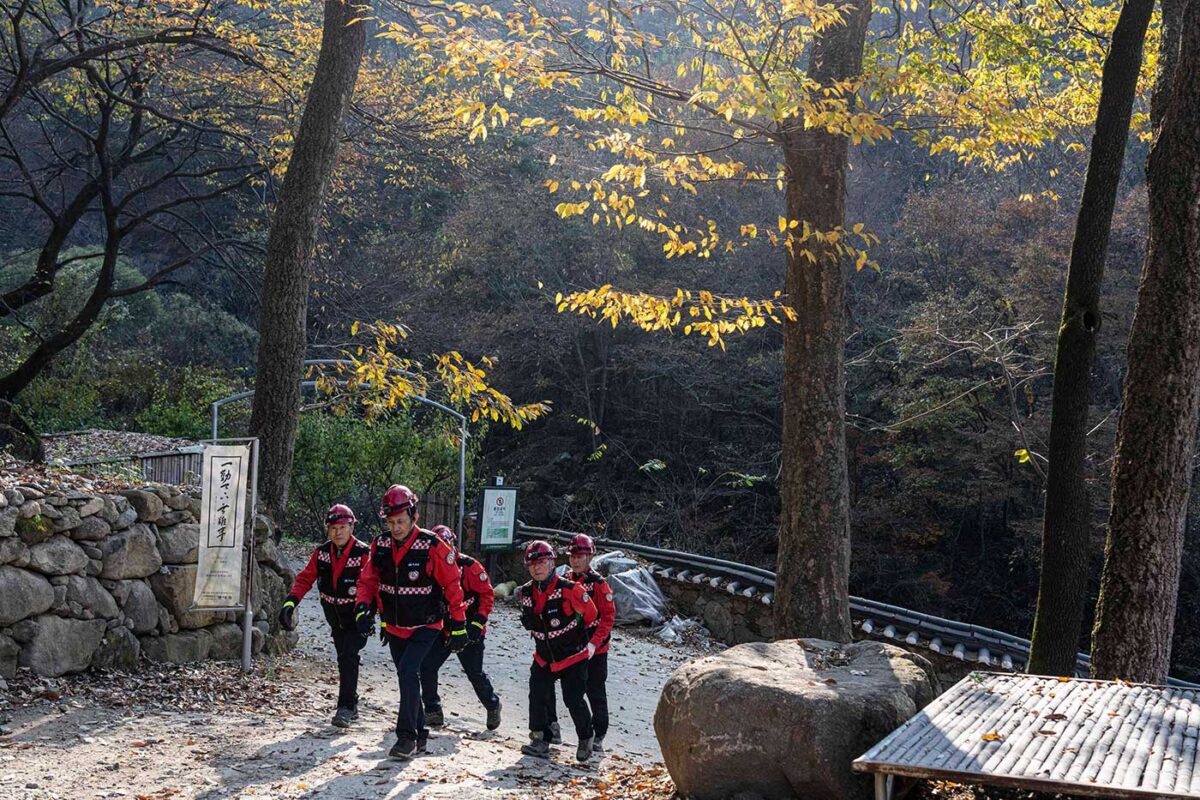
(987, 646)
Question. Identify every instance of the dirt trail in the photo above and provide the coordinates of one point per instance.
(202, 733)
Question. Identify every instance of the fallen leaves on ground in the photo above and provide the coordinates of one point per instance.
(213, 686)
(632, 782)
(947, 790)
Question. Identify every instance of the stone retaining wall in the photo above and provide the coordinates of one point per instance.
(731, 618)
(99, 581)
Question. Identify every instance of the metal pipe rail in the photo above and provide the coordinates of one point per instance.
(964, 641)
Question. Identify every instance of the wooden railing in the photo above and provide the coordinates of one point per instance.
(180, 467)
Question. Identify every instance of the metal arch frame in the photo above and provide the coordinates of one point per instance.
(462, 424)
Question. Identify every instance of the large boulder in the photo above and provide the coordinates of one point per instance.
(88, 593)
(57, 556)
(179, 544)
(786, 719)
(140, 606)
(23, 594)
(175, 590)
(62, 645)
(132, 553)
(177, 648)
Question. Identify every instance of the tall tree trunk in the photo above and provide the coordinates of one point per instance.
(1066, 527)
(293, 234)
(1135, 617)
(813, 564)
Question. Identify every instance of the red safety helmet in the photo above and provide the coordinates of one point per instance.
(446, 535)
(396, 499)
(339, 513)
(582, 543)
(537, 550)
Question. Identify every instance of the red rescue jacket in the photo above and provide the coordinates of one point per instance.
(558, 618)
(602, 595)
(415, 583)
(336, 577)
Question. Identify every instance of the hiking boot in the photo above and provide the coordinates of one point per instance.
(435, 718)
(493, 717)
(404, 749)
(538, 746)
(598, 744)
(584, 752)
(555, 734)
(353, 713)
(342, 717)
(423, 740)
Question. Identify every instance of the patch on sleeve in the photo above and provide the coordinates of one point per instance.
(609, 597)
(483, 576)
(586, 599)
(449, 558)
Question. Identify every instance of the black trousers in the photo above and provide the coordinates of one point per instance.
(471, 659)
(407, 655)
(574, 687)
(596, 691)
(348, 644)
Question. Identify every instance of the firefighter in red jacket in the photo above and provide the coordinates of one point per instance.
(557, 613)
(580, 553)
(478, 597)
(334, 567)
(410, 575)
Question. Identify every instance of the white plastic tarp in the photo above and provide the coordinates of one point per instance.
(637, 597)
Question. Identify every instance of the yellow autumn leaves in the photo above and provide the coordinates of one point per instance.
(702, 312)
(379, 379)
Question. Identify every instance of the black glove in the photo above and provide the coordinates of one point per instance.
(458, 637)
(382, 632)
(527, 619)
(475, 629)
(287, 616)
(364, 619)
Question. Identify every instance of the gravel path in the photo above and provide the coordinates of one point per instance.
(268, 735)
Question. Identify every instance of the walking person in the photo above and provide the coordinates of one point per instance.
(335, 567)
(411, 575)
(478, 599)
(579, 555)
(557, 612)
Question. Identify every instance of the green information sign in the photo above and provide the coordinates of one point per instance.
(498, 518)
